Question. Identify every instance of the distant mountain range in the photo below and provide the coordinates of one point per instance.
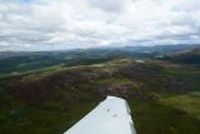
(17, 62)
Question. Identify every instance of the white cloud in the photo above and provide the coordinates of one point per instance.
(110, 5)
(61, 24)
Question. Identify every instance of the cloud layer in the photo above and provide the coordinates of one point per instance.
(63, 24)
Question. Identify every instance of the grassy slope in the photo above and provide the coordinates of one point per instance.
(185, 57)
(163, 97)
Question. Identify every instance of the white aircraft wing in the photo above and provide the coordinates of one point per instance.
(112, 116)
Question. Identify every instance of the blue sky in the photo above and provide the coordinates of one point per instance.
(65, 24)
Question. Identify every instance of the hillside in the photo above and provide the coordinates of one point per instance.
(163, 96)
(191, 56)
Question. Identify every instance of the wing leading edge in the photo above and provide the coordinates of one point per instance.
(112, 116)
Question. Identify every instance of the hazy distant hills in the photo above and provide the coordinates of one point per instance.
(17, 62)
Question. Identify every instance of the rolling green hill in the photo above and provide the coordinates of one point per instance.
(191, 56)
(163, 96)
